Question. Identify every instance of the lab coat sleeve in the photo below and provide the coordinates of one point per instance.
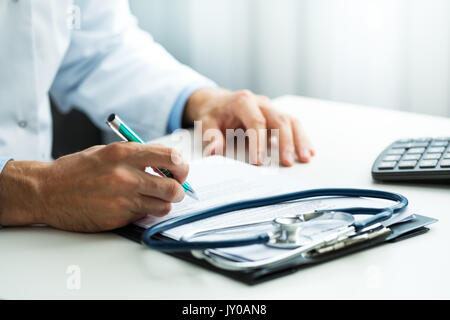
(3, 162)
(113, 66)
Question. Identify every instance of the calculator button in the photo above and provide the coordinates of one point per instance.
(422, 140)
(396, 151)
(445, 164)
(392, 158)
(436, 150)
(402, 145)
(387, 165)
(411, 157)
(407, 164)
(419, 144)
(447, 156)
(428, 163)
(416, 150)
(432, 156)
(439, 143)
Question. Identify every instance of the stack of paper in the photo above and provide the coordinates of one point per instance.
(218, 180)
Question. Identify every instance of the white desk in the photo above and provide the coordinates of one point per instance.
(347, 139)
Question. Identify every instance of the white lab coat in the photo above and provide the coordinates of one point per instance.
(107, 65)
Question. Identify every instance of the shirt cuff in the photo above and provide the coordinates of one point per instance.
(3, 162)
(176, 115)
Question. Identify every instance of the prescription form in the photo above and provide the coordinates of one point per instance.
(219, 180)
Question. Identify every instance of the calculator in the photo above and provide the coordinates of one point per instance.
(421, 159)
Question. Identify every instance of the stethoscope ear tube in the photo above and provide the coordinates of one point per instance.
(377, 215)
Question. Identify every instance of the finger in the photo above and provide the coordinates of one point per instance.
(213, 134)
(286, 143)
(157, 156)
(166, 189)
(303, 146)
(93, 148)
(276, 120)
(152, 206)
(246, 108)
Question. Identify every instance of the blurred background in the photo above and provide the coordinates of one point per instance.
(387, 53)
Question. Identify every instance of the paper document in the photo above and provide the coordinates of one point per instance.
(218, 180)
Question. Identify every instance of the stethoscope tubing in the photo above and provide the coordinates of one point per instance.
(287, 255)
(377, 215)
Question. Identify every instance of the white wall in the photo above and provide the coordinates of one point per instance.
(388, 53)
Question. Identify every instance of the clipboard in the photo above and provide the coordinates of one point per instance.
(400, 231)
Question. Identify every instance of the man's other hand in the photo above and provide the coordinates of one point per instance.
(223, 109)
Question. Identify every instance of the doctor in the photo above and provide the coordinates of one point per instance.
(106, 65)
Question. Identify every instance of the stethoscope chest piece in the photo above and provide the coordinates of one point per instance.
(287, 233)
(294, 232)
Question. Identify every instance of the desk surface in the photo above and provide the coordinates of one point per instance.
(347, 138)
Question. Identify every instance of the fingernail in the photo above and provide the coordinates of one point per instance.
(289, 156)
(209, 149)
(304, 152)
(261, 157)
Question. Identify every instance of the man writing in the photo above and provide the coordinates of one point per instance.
(107, 65)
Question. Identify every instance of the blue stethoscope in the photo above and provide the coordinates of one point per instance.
(286, 231)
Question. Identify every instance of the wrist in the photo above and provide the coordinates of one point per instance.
(21, 183)
(199, 102)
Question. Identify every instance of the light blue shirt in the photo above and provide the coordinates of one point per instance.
(3, 161)
(87, 56)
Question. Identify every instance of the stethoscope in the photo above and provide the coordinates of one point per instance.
(287, 232)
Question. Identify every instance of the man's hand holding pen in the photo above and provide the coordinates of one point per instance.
(101, 188)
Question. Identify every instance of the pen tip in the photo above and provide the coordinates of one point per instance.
(192, 194)
(111, 117)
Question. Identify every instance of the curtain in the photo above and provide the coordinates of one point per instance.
(387, 53)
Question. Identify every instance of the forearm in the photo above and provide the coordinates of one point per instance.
(20, 186)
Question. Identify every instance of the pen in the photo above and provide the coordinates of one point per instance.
(123, 131)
